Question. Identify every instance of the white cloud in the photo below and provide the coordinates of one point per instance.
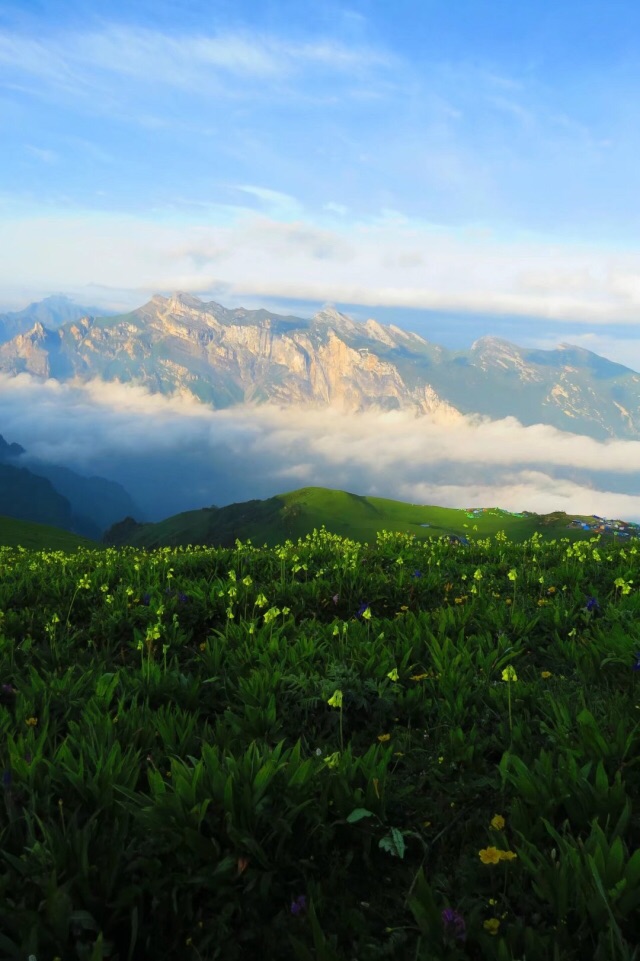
(74, 60)
(388, 262)
(208, 456)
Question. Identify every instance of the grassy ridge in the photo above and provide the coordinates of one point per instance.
(296, 514)
(18, 533)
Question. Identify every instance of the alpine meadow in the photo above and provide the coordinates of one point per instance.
(319, 481)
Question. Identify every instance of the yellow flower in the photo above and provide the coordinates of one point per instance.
(507, 855)
(508, 600)
(440, 760)
(491, 926)
(509, 674)
(489, 855)
(336, 699)
(492, 901)
(32, 721)
(546, 674)
(418, 677)
(384, 737)
(497, 822)
(203, 647)
(332, 760)
(393, 675)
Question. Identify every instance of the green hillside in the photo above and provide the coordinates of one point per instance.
(293, 515)
(19, 533)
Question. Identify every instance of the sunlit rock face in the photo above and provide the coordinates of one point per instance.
(182, 345)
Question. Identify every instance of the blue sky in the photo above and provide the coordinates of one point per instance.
(417, 161)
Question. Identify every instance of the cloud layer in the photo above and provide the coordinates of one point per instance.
(209, 457)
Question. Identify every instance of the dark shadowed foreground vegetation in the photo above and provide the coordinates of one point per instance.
(321, 751)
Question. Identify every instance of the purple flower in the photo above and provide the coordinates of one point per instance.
(454, 924)
(417, 574)
(592, 604)
(636, 666)
(182, 598)
(362, 608)
(146, 599)
(299, 905)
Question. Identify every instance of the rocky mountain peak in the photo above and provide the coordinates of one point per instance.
(182, 299)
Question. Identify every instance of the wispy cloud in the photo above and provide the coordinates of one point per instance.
(73, 59)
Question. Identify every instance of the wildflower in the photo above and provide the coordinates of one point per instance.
(417, 574)
(491, 926)
(384, 737)
(545, 674)
(592, 604)
(512, 575)
(182, 598)
(508, 855)
(203, 646)
(242, 865)
(489, 855)
(453, 924)
(497, 822)
(440, 759)
(477, 575)
(509, 673)
(332, 760)
(298, 905)
(335, 598)
(418, 677)
(336, 699)
(551, 590)
(146, 599)
(393, 674)
(32, 721)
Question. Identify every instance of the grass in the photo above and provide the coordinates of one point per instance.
(16, 533)
(321, 751)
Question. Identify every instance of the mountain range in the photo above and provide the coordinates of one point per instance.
(224, 357)
(52, 312)
(36, 490)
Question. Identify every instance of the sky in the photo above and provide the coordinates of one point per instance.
(457, 167)
(417, 161)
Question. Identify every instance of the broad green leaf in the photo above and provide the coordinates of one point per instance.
(358, 814)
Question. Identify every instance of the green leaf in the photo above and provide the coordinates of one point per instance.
(393, 842)
(358, 814)
(614, 869)
(632, 870)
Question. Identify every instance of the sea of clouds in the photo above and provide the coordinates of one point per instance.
(174, 454)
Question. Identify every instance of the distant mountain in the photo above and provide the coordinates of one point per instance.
(296, 514)
(91, 504)
(51, 312)
(27, 497)
(225, 357)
